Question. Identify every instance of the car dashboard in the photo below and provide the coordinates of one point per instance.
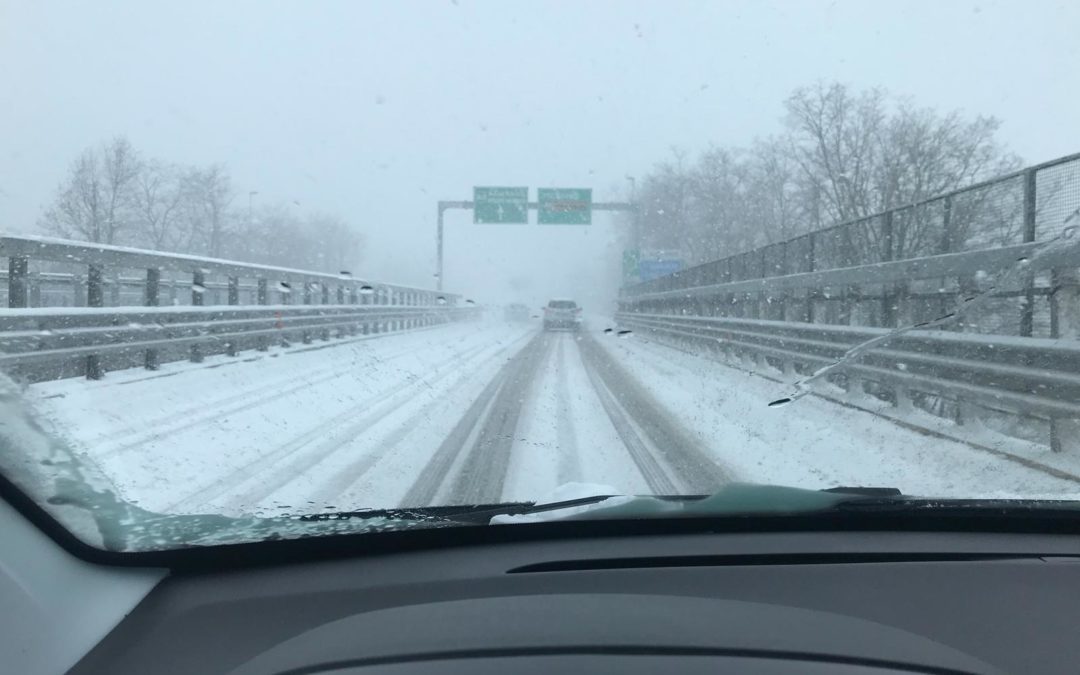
(861, 602)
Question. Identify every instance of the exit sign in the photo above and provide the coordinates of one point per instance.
(564, 206)
(505, 205)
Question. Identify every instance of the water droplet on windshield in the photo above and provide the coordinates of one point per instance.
(609, 330)
(469, 302)
(284, 287)
(779, 402)
(625, 333)
(367, 290)
(440, 300)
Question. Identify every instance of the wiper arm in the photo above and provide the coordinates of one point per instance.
(481, 514)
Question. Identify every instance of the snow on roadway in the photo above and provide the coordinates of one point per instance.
(355, 424)
(814, 443)
(565, 436)
(343, 426)
(275, 432)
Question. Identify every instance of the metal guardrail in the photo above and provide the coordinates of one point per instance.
(907, 291)
(37, 345)
(44, 343)
(979, 374)
(1026, 206)
(101, 269)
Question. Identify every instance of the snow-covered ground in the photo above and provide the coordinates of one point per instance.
(813, 442)
(484, 412)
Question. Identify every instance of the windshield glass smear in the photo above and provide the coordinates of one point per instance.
(362, 267)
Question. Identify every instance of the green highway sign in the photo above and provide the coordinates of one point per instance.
(564, 206)
(501, 205)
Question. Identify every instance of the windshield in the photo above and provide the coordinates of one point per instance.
(268, 263)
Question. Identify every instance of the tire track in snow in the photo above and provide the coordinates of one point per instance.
(569, 466)
(339, 429)
(643, 420)
(341, 483)
(655, 476)
(482, 439)
(207, 411)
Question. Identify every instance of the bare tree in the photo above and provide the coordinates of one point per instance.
(96, 201)
(335, 244)
(835, 141)
(844, 157)
(159, 200)
(208, 196)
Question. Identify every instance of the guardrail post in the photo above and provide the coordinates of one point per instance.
(904, 404)
(18, 270)
(307, 292)
(114, 290)
(353, 296)
(1027, 310)
(262, 292)
(95, 297)
(198, 288)
(95, 292)
(153, 286)
(150, 299)
(948, 236)
(325, 293)
(234, 291)
(340, 295)
(1065, 325)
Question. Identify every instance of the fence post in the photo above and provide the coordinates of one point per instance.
(261, 298)
(340, 295)
(151, 299)
(95, 293)
(198, 288)
(307, 291)
(153, 286)
(889, 292)
(1065, 325)
(114, 290)
(234, 291)
(1027, 311)
(947, 235)
(18, 270)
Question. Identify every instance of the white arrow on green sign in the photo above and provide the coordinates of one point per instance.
(564, 206)
(501, 205)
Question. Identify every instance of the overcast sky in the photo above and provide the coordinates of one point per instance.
(375, 111)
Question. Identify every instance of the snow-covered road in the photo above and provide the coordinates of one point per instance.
(480, 413)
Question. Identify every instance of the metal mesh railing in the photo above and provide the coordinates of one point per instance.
(1030, 205)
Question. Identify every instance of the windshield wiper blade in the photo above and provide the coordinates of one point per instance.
(865, 491)
(475, 513)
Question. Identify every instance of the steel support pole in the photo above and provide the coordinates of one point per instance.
(439, 249)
